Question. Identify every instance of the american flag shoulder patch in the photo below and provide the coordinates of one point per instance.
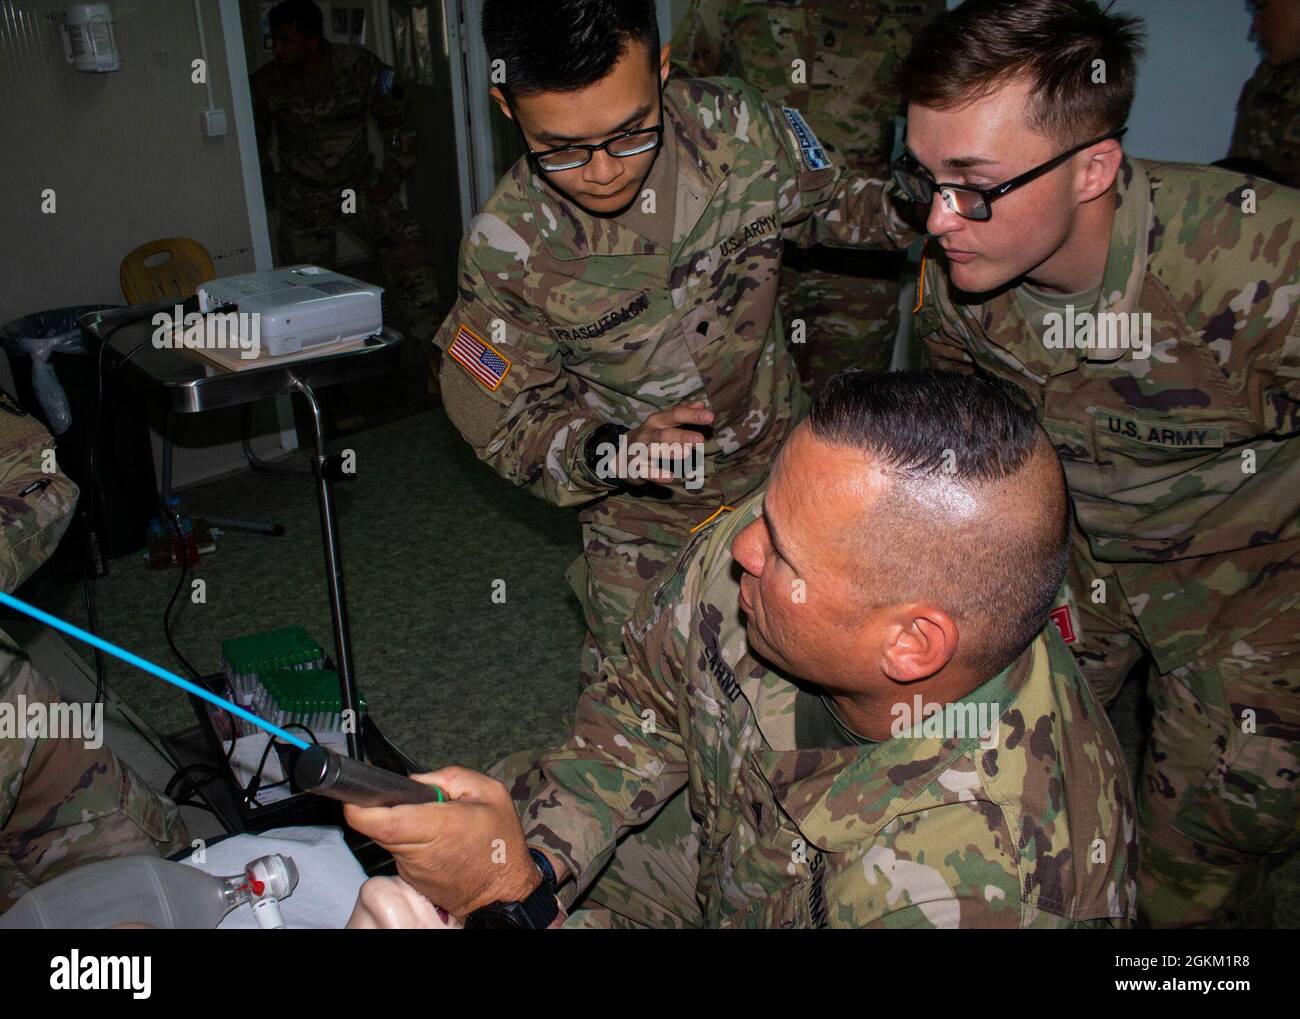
(478, 357)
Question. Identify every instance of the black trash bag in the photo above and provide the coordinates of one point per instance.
(40, 335)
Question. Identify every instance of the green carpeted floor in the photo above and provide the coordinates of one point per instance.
(451, 676)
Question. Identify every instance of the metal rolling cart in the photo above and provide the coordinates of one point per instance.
(177, 384)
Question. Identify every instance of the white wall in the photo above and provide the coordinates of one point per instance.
(125, 156)
(1198, 57)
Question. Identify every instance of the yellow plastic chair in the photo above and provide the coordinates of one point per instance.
(171, 267)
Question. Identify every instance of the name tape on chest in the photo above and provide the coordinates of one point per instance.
(478, 357)
(1171, 436)
(814, 156)
(606, 322)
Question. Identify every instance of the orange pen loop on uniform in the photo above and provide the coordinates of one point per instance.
(712, 517)
(920, 279)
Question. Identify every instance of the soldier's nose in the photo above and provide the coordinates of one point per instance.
(603, 170)
(746, 549)
(941, 220)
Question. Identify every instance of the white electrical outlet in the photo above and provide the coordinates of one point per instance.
(214, 123)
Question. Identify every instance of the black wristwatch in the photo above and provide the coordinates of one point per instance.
(606, 433)
(534, 913)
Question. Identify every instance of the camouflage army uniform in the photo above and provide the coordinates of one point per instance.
(1184, 473)
(63, 805)
(847, 301)
(566, 322)
(1268, 121)
(60, 804)
(1033, 829)
(320, 122)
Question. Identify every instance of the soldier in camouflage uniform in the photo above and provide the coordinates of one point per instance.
(834, 61)
(1268, 113)
(572, 327)
(1178, 434)
(771, 805)
(317, 97)
(61, 804)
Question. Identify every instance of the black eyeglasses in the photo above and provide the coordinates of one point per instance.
(628, 143)
(966, 200)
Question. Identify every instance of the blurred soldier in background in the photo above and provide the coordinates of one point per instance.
(1268, 113)
(317, 96)
(833, 60)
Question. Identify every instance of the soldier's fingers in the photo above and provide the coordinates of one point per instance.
(406, 825)
(681, 414)
(685, 414)
(464, 784)
(684, 436)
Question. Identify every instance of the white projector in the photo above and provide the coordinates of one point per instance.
(299, 306)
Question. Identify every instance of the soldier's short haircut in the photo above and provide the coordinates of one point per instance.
(303, 13)
(564, 45)
(1053, 45)
(949, 441)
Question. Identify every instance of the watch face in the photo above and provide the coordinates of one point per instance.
(498, 916)
(535, 913)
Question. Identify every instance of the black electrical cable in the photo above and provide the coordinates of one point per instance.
(174, 519)
(182, 792)
(255, 786)
(89, 503)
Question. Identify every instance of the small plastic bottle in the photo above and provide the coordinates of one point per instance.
(185, 549)
(160, 549)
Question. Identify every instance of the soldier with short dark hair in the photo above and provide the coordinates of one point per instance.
(618, 290)
(317, 98)
(841, 708)
(1149, 311)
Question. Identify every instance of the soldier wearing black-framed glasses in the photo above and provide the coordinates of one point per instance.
(621, 145)
(967, 200)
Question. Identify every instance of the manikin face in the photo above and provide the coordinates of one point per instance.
(986, 143)
(797, 588)
(1276, 26)
(624, 100)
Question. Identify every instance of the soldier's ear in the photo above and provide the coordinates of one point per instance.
(921, 641)
(663, 62)
(1102, 169)
(499, 97)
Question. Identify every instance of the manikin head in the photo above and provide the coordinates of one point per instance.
(581, 71)
(996, 88)
(1276, 27)
(297, 33)
(914, 531)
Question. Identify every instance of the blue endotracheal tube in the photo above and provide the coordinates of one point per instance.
(42, 616)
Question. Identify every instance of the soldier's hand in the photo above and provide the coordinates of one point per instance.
(678, 424)
(462, 854)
